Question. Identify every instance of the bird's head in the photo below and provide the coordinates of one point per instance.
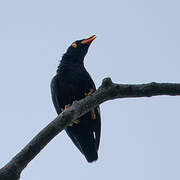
(78, 50)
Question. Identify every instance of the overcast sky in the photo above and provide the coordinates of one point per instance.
(137, 42)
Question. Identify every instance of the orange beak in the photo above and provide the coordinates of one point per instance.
(88, 40)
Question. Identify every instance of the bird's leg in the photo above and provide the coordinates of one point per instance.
(92, 111)
(71, 123)
(93, 114)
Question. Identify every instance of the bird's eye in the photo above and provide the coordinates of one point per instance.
(74, 45)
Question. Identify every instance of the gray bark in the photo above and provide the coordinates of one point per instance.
(107, 91)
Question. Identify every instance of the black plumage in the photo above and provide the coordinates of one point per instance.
(72, 82)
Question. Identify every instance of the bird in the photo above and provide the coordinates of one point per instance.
(72, 82)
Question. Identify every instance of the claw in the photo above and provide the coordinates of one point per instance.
(76, 121)
(89, 93)
(65, 107)
(71, 123)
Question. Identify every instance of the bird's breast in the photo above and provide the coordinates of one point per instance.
(75, 83)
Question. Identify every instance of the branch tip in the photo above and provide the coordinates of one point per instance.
(107, 82)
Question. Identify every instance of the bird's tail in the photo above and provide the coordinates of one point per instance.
(86, 144)
(90, 152)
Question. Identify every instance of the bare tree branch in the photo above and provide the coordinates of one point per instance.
(107, 91)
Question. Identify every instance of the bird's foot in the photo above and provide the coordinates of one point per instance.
(74, 122)
(89, 93)
(71, 123)
(65, 107)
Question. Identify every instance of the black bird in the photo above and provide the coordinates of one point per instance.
(72, 82)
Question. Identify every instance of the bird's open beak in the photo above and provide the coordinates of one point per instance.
(88, 40)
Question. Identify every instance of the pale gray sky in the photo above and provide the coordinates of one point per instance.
(137, 42)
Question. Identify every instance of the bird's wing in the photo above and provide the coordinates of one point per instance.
(97, 121)
(59, 101)
(97, 127)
